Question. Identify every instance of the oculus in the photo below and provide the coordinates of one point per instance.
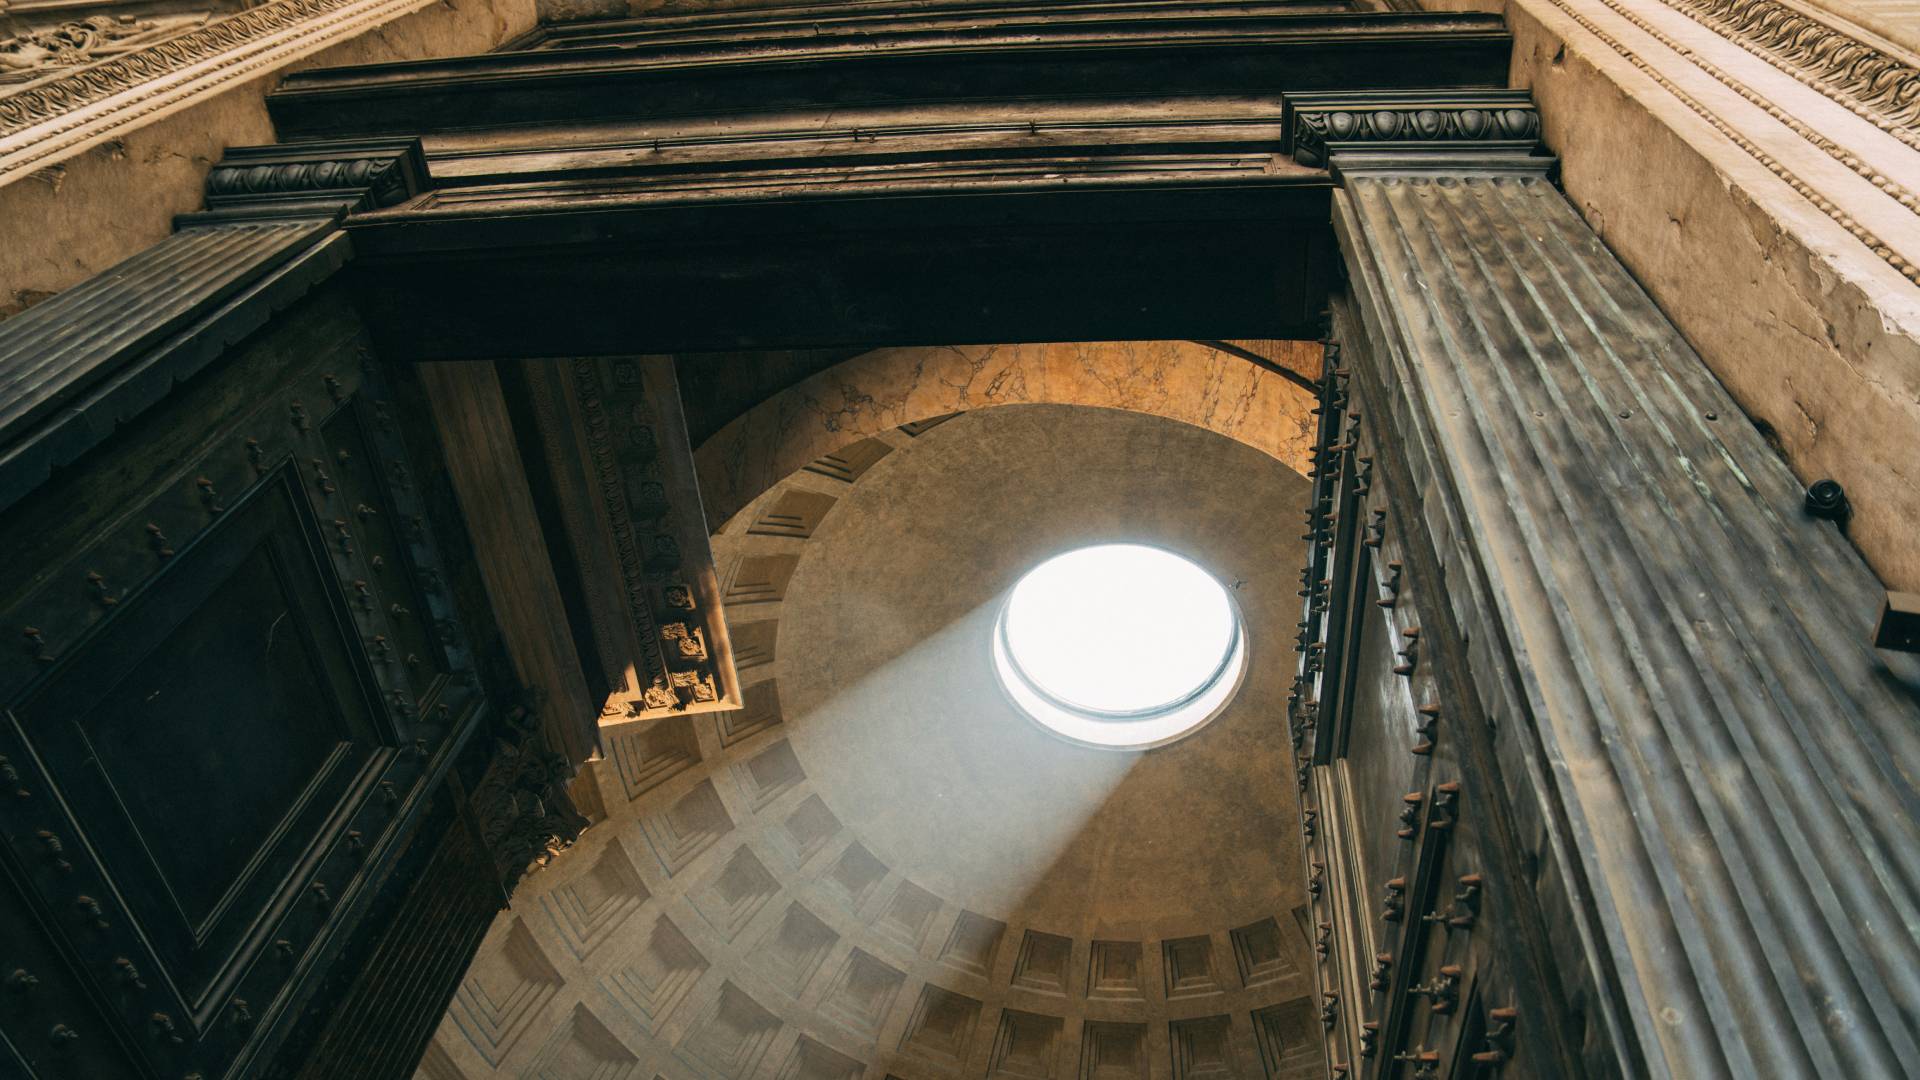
(1119, 646)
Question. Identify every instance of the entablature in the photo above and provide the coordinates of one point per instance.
(1163, 50)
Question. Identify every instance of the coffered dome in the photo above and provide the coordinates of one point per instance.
(882, 866)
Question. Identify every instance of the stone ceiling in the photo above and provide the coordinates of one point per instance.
(877, 868)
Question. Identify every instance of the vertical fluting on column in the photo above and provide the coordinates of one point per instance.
(1726, 765)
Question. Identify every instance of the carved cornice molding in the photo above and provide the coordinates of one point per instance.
(1874, 85)
(42, 52)
(299, 179)
(1320, 126)
(618, 481)
(52, 118)
(1816, 194)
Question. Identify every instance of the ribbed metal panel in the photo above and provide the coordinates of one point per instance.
(1681, 658)
(54, 351)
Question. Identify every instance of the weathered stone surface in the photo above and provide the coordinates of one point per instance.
(1684, 656)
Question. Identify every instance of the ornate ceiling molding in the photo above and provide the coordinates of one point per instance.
(42, 52)
(51, 119)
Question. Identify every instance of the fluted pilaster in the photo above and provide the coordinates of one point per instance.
(1677, 659)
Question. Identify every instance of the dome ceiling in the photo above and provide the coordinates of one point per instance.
(880, 867)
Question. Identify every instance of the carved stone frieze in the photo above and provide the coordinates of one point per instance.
(521, 805)
(85, 85)
(39, 53)
(1812, 189)
(1880, 87)
(126, 72)
(1478, 120)
(631, 464)
(622, 470)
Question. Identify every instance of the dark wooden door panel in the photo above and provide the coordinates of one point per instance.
(415, 652)
(1417, 969)
(208, 729)
(247, 677)
(1379, 728)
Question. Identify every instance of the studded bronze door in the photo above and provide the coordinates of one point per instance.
(1418, 971)
(239, 677)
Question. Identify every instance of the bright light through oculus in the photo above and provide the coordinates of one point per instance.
(1120, 645)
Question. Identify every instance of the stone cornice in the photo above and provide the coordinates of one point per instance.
(1401, 123)
(800, 70)
(1871, 82)
(46, 122)
(640, 535)
(327, 176)
(1808, 184)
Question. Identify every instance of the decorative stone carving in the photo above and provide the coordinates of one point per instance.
(1873, 84)
(356, 174)
(1814, 190)
(1481, 120)
(37, 54)
(632, 512)
(123, 80)
(521, 802)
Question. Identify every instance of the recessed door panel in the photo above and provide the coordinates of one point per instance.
(207, 732)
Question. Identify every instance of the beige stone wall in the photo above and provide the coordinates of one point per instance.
(75, 219)
(1774, 224)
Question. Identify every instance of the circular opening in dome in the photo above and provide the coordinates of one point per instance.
(1122, 646)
